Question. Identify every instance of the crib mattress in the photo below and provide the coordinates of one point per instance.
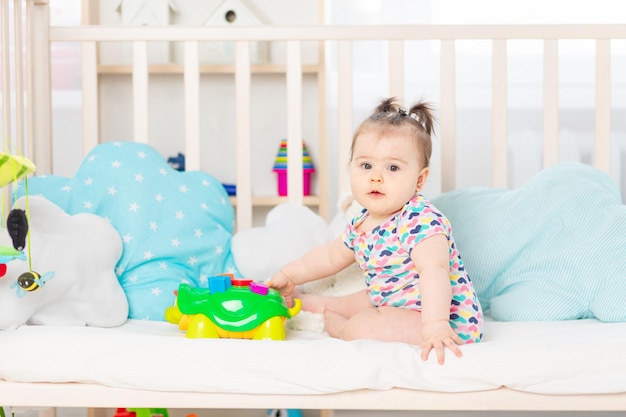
(571, 357)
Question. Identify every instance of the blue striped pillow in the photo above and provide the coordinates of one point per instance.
(553, 249)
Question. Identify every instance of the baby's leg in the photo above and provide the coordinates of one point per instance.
(347, 305)
(388, 324)
(334, 323)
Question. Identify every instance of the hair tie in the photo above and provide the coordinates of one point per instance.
(413, 116)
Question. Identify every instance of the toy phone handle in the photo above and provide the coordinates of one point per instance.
(297, 306)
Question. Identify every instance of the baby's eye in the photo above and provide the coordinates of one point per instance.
(394, 168)
(366, 165)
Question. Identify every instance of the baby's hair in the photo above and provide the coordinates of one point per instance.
(419, 120)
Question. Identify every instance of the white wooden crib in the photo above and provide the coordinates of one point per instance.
(29, 125)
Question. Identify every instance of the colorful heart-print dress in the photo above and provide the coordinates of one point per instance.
(384, 254)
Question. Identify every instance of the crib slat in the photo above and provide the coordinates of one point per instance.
(140, 91)
(322, 164)
(602, 151)
(447, 121)
(89, 64)
(396, 70)
(29, 140)
(96, 412)
(192, 106)
(344, 113)
(499, 115)
(550, 103)
(19, 76)
(294, 122)
(39, 88)
(242, 135)
(6, 142)
(48, 412)
(6, 73)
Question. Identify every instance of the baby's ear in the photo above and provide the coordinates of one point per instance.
(421, 179)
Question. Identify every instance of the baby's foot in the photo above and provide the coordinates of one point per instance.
(313, 303)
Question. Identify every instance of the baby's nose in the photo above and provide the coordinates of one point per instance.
(375, 176)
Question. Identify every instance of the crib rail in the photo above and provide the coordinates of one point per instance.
(343, 37)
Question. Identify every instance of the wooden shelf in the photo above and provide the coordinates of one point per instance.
(96, 12)
(205, 69)
(269, 201)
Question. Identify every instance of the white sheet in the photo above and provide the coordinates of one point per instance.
(573, 357)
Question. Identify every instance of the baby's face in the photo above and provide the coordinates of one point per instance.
(385, 171)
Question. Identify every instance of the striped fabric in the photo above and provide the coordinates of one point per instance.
(553, 249)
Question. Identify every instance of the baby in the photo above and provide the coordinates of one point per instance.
(418, 291)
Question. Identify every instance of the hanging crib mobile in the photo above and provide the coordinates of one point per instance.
(14, 168)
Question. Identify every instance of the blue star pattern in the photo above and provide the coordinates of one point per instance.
(176, 227)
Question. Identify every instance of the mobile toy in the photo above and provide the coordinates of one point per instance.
(231, 308)
(12, 169)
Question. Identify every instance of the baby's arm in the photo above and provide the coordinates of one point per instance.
(431, 258)
(319, 262)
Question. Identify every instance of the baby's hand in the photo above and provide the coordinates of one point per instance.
(437, 335)
(284, 285)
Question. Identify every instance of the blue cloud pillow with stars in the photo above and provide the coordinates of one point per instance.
(176, 226)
